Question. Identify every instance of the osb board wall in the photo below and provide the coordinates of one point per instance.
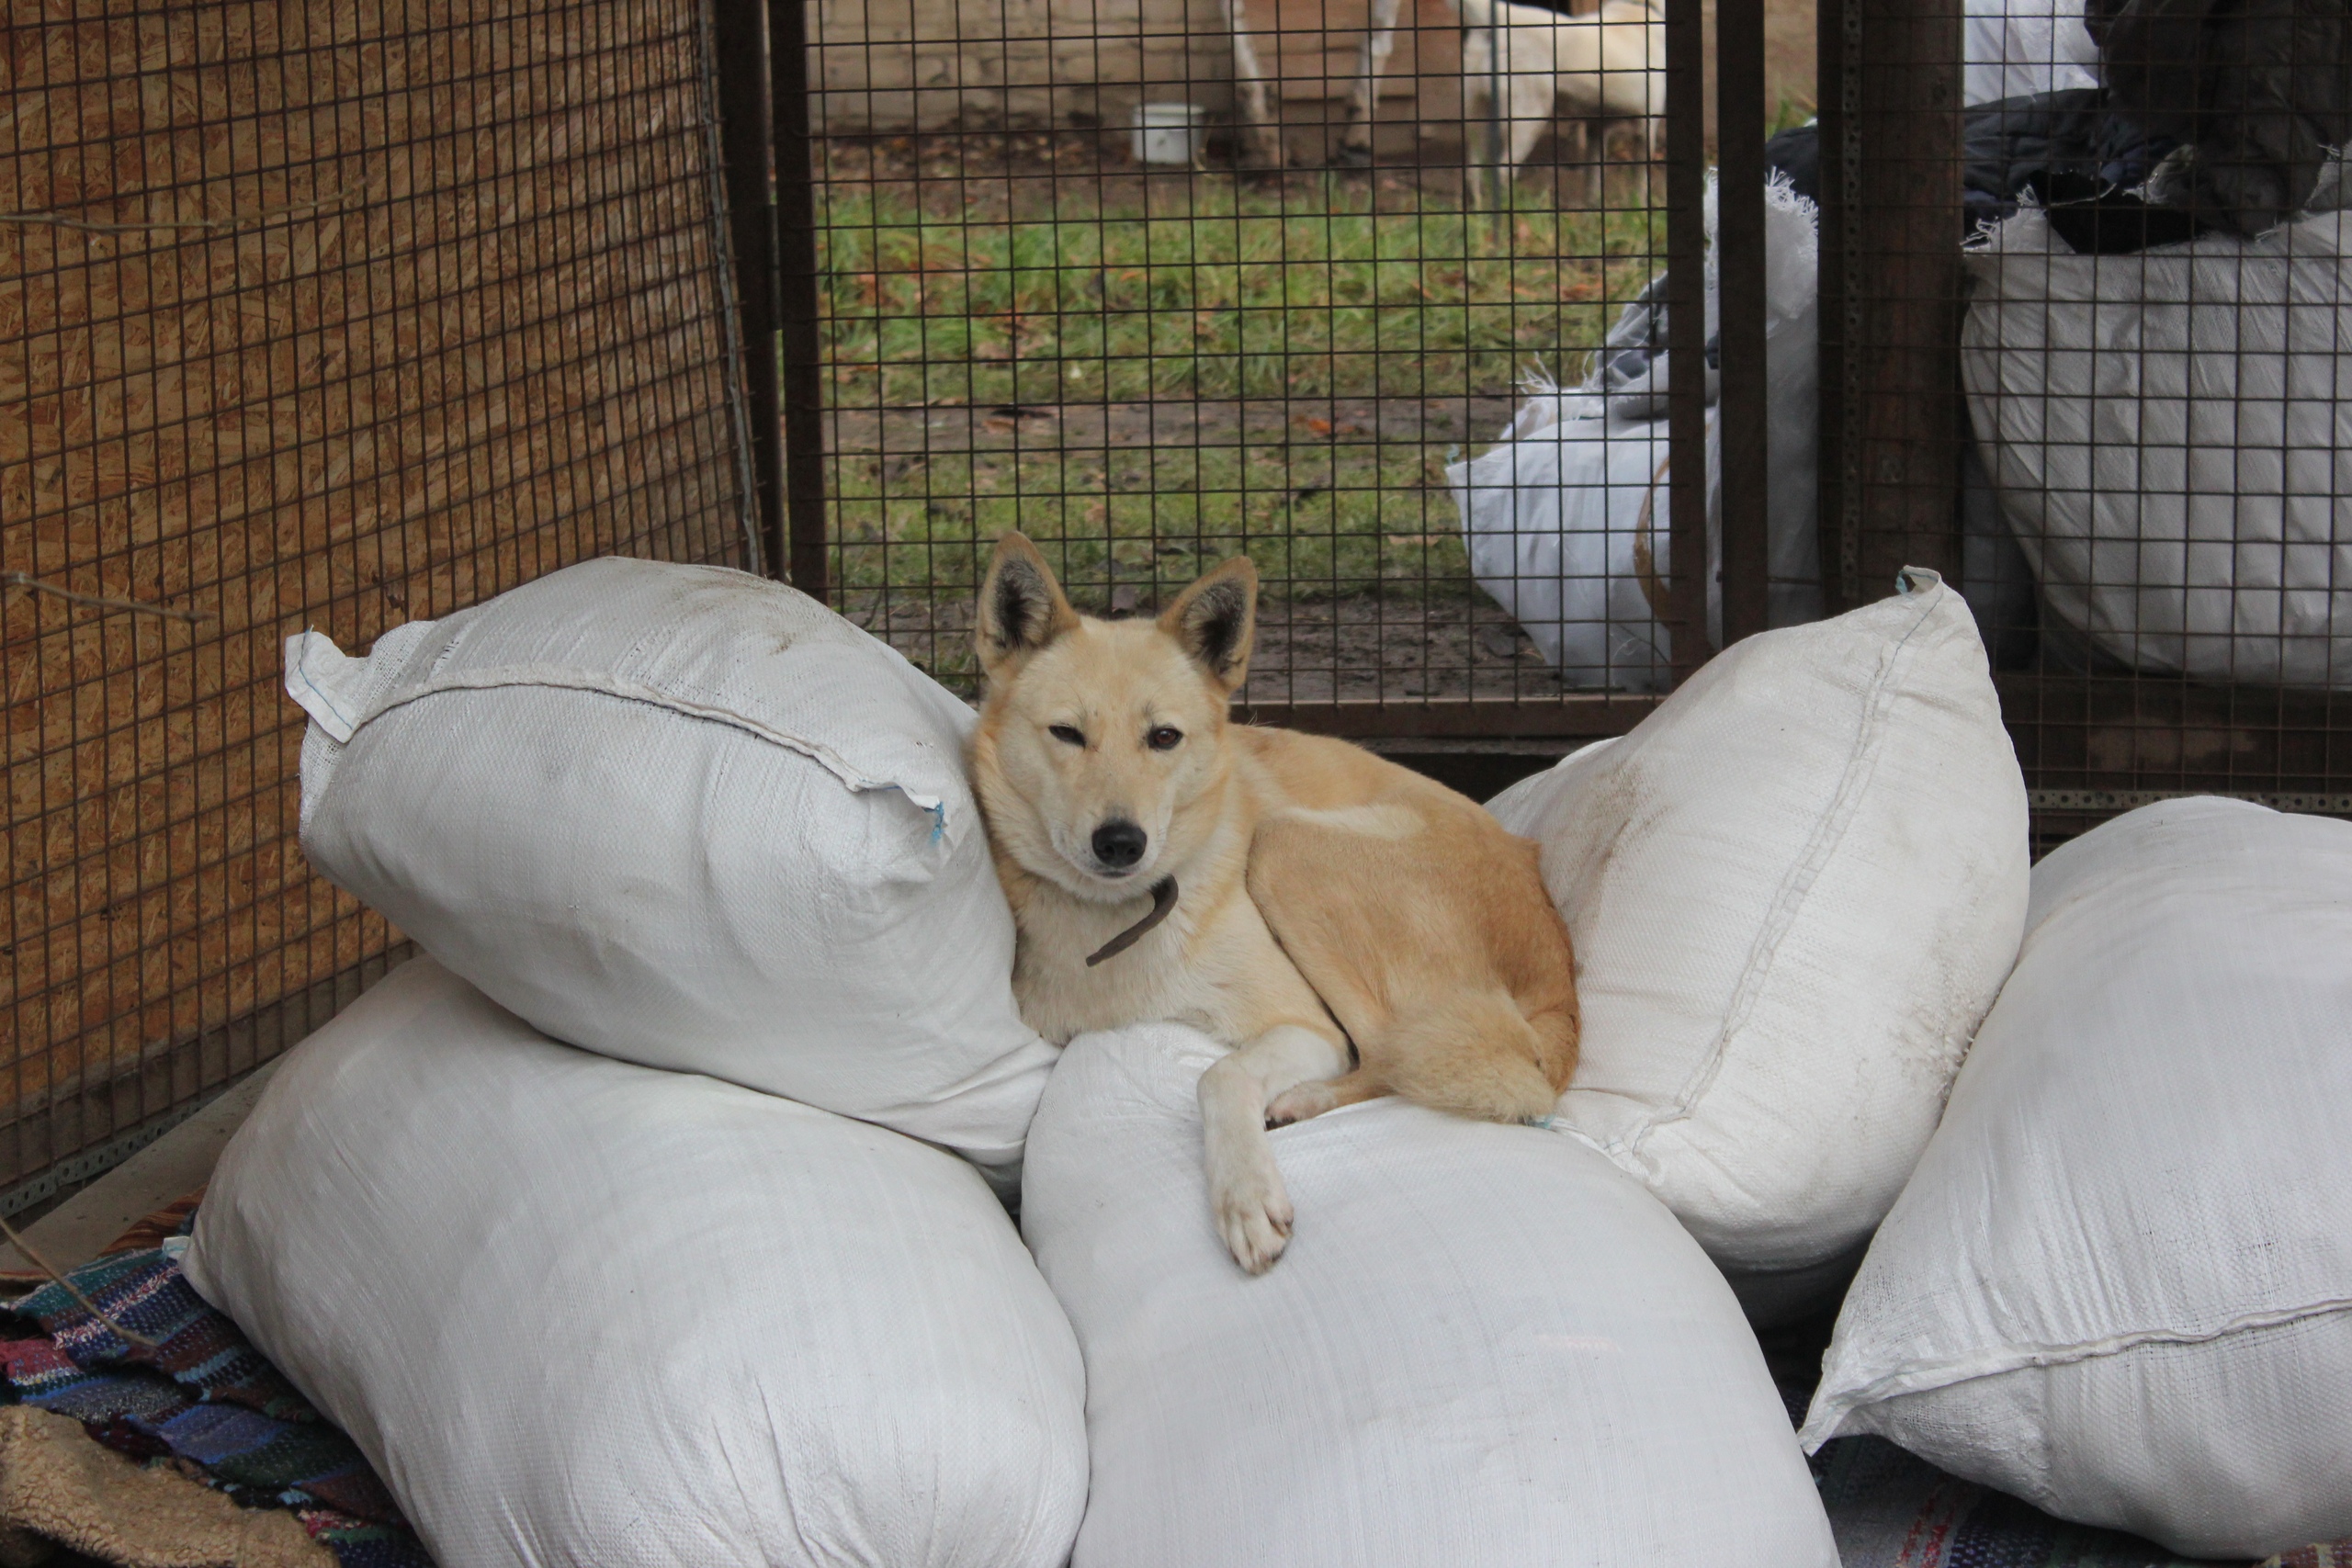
(326, 313)
(1320, 44)
(891, 66)
(930, 64)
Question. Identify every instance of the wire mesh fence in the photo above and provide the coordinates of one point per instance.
(2045, 302)
(313, 312)
(1157, 284)
(340, 313)
(2092, 320)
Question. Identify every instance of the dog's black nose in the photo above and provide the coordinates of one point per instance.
(1119, 844)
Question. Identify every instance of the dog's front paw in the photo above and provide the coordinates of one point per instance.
(1253, 1214)
(1299, 1103)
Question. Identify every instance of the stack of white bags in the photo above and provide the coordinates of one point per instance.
(722, 1280)
(1564, 516)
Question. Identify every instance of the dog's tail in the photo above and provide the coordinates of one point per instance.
(1475, 1053)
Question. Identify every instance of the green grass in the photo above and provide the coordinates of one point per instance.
(1303, 296)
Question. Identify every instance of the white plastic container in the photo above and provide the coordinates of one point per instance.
(1170, 134)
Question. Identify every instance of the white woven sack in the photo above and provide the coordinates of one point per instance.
(1484, 1346)
(2013, 48)
(2170, 434)
(2119, 1284)
(575, 1310)
(1564, 517)
(688, 818)
(1794, 889)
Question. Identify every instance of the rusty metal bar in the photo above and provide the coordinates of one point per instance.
(1686, 331)
(746, 134)
(1589, 716)
(801, 548)
(1739, 273)
(1890, 292)
(1838, 85)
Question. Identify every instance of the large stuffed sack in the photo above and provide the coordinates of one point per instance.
(1564, 517)
(687, 818)
(2171, 437)
(577, 1311)
(2119, 1284)
(2013, 48)
(1483, 1345)
(1794, 889)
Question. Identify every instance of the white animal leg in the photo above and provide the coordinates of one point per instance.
(1262, 144)
(1530, 110)
(1379, 41)
(1485, 109)
(1245, 1194)
(1475, 44)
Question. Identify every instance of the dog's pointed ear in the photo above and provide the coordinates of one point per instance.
(1022, 607)
(1216, 620)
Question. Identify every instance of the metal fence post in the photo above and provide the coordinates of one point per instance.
(1686, 331)
(1890, 76)
(745, 134)
(1739, 274)
(802, 544)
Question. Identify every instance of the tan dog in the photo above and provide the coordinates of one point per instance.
(1285, 894)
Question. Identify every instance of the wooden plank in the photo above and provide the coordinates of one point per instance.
(2123, 732)
(1587, 715)
(163, 1172)
(1318, 43)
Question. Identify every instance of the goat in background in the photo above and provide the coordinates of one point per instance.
(1608, 65)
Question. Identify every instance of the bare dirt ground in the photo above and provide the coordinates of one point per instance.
(1361, 648)
(894, 433)
(1446, 646)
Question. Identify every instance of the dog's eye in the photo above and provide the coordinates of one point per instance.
(1068, 734)
(1163, 739)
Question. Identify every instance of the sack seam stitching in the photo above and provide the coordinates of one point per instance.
(1829, 831)
(2008, 1358)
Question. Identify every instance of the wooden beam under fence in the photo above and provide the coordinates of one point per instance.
(1586, 716)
